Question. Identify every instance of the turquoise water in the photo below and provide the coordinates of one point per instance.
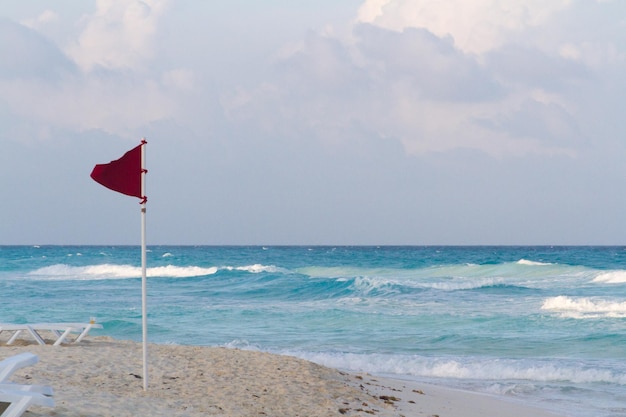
(542, 325)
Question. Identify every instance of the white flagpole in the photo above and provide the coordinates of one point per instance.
(144, 319)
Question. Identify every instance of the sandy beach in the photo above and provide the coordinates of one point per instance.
(102, 377)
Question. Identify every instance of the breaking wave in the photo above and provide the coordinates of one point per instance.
(112, 271)
(612, 277)
(465, 368)
(531, 263)
(585, 307)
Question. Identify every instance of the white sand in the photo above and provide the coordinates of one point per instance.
(102, 377)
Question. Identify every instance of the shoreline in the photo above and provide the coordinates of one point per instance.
(101, 376)
(417, 398)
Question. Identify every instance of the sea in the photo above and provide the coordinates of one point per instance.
(540, 325)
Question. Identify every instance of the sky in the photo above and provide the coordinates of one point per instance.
(338, 122)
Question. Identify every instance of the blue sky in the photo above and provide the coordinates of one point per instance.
(327, 122)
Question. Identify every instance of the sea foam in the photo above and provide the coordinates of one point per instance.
(465, 368)
(585, 307)
(612, 277)
(532, 263)
(111, 271)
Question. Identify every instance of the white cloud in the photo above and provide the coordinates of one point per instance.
(416, 89)
(400, 77)
(371, 9)
(112, 105)
(116, 91)
(181, 79)
(570, 51)
(476, 26)
(119, 35)
(46, 17)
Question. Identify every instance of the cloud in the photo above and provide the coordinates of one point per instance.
(45, 18)
(414, 88)
(179, 79)
(523, 87)
(102, 81)
(119, 35)
(29, 55)
(391, 120)
(399, 77)
(475, 26)
(533, 68)
(436, 70)
(42, 85)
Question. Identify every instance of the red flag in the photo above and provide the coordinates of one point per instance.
(122, 175)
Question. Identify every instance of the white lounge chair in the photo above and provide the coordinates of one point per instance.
(60, 330)
(39, 389)
(11, 364)
(19, 401)
(17, 329)
(16, 398)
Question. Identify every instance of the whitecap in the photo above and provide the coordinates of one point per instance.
(112, 271)
(611, 277)
(172, 271)
(256, 268)
(585, 307)
(532, 263)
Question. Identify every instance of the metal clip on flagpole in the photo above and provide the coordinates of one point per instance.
(144, 319)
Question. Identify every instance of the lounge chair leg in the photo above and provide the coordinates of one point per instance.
(83, 333)
(19, 402)
(14, 337)
(34, 333)
(17, 408)
(62, 337)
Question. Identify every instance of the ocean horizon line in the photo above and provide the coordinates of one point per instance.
(320, 245)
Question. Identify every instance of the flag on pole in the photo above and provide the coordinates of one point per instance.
(122, 175)
(126, 176)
